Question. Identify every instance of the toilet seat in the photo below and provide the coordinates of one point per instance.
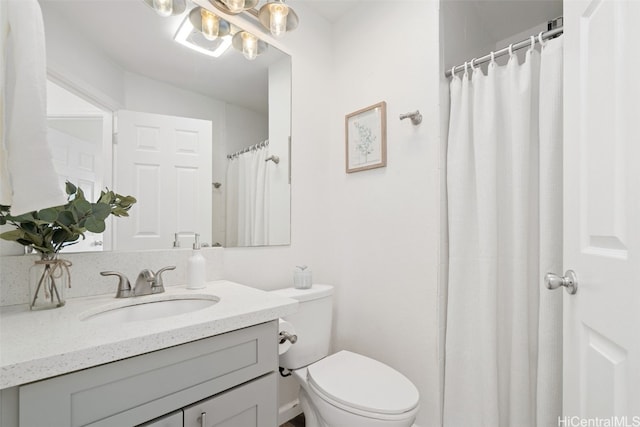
(363, 386)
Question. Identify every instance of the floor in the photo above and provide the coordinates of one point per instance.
(296, 422)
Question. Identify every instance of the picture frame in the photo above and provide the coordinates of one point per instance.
(366, 138)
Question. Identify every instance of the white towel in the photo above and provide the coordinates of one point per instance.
(5, 188)
(34, 182)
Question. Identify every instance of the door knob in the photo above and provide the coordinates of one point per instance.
(569, 281)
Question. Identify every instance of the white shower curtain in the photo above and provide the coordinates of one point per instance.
(248, 199)
(503, 363)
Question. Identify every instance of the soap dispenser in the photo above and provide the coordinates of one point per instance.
(196, 267)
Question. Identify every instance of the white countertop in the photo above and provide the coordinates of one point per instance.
(35, 345)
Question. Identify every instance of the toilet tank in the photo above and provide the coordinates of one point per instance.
(312, 323)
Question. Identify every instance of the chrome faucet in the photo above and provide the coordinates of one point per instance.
(147, 282)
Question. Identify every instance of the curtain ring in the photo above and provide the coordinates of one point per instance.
(533, 42)
(493, 56)
(542, 42)
(465, 68)
(511, 49)
(453, 71)
(473, 68)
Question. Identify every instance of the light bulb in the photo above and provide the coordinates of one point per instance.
(278, 18)
(210, 24)
(249, 46)
(163, 7)
(235, 6)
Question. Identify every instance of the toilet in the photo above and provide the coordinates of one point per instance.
(344, 389)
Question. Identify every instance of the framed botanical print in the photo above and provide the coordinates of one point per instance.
(366, 138)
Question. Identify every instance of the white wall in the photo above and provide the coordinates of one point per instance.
(374, 235)
(244, 128)
(74, 59)
(385, 224)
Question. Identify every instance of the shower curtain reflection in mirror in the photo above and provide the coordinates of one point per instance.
(248, 197)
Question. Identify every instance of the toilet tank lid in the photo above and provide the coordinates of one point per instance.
(315, 292)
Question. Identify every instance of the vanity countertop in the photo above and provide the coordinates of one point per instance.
(35, 345)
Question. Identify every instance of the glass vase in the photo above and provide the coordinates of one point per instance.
(48, 278)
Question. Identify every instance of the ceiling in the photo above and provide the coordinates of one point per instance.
(140, 41)
(331, 10)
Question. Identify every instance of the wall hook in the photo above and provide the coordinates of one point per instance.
(274, 159)
(416, 117)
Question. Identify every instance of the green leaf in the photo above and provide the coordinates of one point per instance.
(119, 212)
(48, 215)
(13, 235)
(82, 206)
(70, 188)
(128, 200)
(80, 194)
(100, 211)
(60, 236)
(34, 238)
(106, 197)
(27, 217)
(66, 218)
(95, 225)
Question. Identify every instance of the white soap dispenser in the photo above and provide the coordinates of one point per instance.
(196, 267)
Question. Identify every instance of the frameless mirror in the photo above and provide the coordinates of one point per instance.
(203, 142)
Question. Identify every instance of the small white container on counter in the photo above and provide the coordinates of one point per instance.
(302, 277)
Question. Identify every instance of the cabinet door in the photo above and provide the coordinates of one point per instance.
(173, 419)
(253, 404)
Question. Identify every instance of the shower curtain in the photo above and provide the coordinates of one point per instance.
(503, 363)
(248, 199)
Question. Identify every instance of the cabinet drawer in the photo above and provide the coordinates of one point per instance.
(135, 390)
(250, 405)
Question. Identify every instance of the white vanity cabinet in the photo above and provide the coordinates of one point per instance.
(231, 377)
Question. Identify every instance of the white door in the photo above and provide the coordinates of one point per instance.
(165, 162)
(79, 154)
(602, 211)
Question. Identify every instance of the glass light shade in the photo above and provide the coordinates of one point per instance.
(163, 7)
(249, 46)
(235, 6)
(210, 25)
(278, 18)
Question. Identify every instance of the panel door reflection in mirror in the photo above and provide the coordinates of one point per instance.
(122, 56)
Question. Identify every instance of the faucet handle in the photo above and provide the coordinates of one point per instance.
(124, 286)
(159, 284)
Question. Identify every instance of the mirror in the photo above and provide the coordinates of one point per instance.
(120, 55)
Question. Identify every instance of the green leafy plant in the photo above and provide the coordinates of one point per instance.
(49, 230)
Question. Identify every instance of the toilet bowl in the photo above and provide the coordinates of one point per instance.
(344, 389)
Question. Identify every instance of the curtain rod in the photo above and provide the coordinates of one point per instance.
(261, 144)
(524, 43)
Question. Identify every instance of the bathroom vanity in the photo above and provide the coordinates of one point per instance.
(215, 366)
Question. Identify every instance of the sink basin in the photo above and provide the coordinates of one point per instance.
(150, 309)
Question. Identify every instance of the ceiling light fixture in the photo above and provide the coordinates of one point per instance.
(250, 45)
(234, 7)
(209, 24)
(190, 34)
(278, 18)
(167, 7)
